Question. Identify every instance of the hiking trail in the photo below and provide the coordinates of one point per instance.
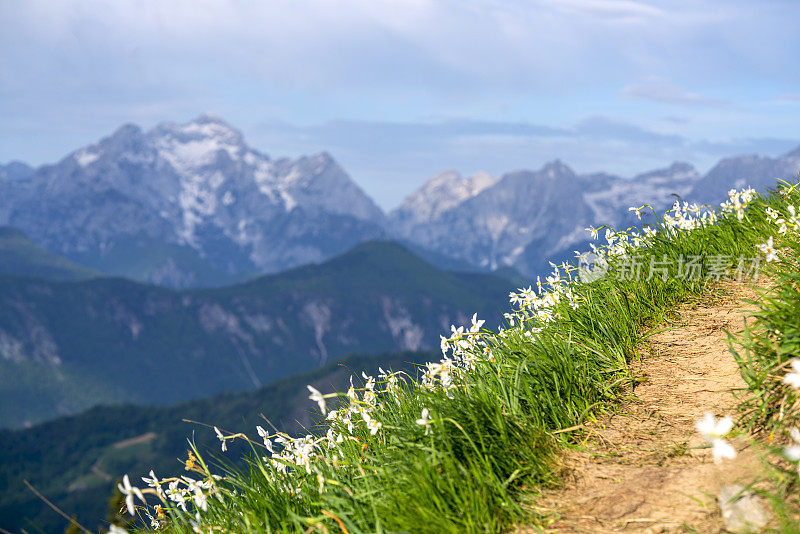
(640, 468)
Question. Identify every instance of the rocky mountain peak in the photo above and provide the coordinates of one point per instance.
(126, 137)
(441, 193)
(15, 170)
(556, 168)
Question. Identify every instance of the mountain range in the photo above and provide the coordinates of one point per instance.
(69, 345)
(187, 205)
(192, 205)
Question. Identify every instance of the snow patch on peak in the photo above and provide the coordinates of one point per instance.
(198, 143)
(185, 156)
(481, 180)
(289, 202)
(218, 130)
(86, 157)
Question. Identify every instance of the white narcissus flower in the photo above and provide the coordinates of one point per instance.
(792, 452)
(114, 529)
(772, 214)
(372, 425)
(476, 324)
(200, 499)
(317, 397)
(154, 483)
(425, 421)
(769, 250)
(221, 438)
(265, 437)
(129, 491)
(793, 379)
(713, 432)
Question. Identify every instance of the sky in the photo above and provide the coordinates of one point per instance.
(400, 90)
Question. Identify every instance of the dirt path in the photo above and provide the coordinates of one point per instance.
(640, 471)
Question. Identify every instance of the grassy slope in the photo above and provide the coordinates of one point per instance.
(57, 457)
(492, 428)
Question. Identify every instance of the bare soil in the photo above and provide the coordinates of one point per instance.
(642, 468)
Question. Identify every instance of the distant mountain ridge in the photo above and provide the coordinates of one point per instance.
(65, 346)
(525, 219)
(192, 205)
(757, 171)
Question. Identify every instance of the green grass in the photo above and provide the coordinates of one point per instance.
(495, 410)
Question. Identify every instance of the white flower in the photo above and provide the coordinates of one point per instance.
(709, 427)
(200, 499)
(370, 385)
(372, 425)
(302, 455)
(792, 452)
(713, 432)
(267, 442)
(126, 489)
(476, 324)
(221, 438)
(793, 379)
(768, 249)
(175, 494)
(153, 483)
(638, 211)
(114, 529)
(317, 397)
(721, 449)
(425, 421)
(772, 214)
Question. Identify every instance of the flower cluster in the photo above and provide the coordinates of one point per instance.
(738, 201)
(685, 216)
(182, 492)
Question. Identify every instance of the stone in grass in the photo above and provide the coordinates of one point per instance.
(741, 510)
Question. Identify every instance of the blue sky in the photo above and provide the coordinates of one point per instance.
(399, 90)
